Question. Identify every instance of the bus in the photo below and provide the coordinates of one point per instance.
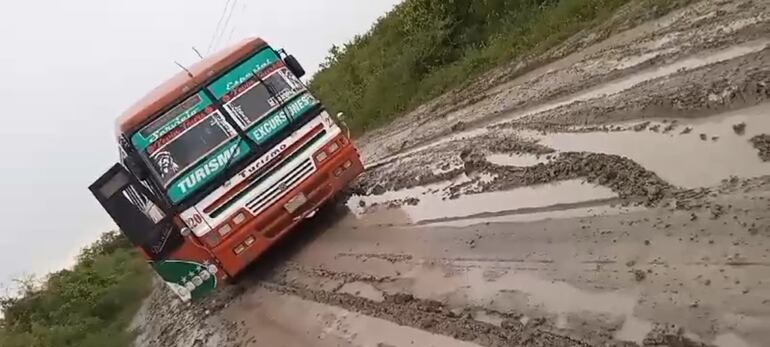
(220, 162)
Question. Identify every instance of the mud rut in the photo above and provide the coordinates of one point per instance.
(619, 196)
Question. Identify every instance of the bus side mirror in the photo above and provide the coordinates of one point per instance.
(294, 66)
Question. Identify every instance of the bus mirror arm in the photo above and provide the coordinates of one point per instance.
(135, 167)
(341, 119)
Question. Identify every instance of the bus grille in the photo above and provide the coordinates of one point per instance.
(287, 182)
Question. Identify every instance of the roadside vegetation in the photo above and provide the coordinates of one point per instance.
(90, 305)
(423, 48)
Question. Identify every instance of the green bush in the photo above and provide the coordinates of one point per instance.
(90, 305)
(423, 48)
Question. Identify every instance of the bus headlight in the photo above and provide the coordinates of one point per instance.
(197, 281)
(333, 147)
(189, 286)
(225, 229)
(213, 269)
(239, 218)
(321, 156)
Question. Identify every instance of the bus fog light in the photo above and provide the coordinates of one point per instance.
(212, 239)
(239, 249)
(189, 286)
(239, 218)
(225, 229)
(338, 171)
(197, 281)
(347, 164)
(249, 241)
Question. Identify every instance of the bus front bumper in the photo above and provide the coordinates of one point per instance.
(265, 229)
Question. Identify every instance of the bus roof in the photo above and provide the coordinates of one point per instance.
(178, 86)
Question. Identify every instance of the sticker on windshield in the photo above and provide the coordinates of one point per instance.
(172, 119)
(243, 72)
(204, 172)
(252, 100)
(166, 164)
(277, 121)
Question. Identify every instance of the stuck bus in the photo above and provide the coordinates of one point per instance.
(221, 161)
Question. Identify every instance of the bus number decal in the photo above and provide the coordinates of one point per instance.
(194, 221)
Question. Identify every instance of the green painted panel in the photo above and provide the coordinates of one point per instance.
(243, 72)
(177, 273)
(278, 120)
(170, 120)
(207, 170)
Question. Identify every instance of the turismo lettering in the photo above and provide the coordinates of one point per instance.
(202, 173)
(258, 165)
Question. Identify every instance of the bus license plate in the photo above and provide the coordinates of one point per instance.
(295, 203)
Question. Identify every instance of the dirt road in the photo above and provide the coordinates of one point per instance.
(618, 196)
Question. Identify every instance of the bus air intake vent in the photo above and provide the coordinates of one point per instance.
(287, 182)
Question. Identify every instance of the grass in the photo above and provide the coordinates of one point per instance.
(424, 48)
(90, 305)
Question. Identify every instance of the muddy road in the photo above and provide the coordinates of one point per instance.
(617, 196)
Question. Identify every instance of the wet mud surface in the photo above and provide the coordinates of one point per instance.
(617, 196)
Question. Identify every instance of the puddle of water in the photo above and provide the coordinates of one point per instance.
(683, 160)
(730, 340)
(514, 217)
(433, 207)
(290, 321)
(562, 298)
(526, 293)
(414, 192)
(364, 290)
(634, 330)
(516, 159)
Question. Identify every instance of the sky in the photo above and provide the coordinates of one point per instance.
(69, 68)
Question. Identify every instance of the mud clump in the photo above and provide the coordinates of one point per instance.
(169, 322)
(739, 128)
(441, 163)
(641, 126)
(762, 144)
(669, 335)
(435, 317)
(622, 175)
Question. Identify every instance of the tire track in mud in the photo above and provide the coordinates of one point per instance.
(459, 323)
(435, 317)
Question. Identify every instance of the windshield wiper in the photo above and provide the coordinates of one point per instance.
(241, 132)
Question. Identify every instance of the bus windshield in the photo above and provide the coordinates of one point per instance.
(176, 143)
(192, 143)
